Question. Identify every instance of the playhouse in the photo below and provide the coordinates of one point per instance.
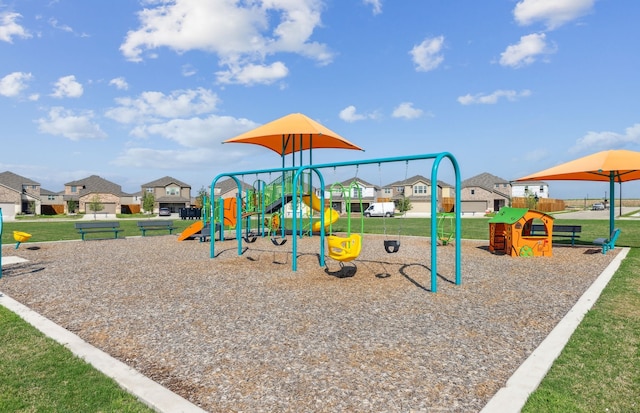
(510, 232)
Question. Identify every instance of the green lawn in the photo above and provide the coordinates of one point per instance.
(599, 370)
(39, 375)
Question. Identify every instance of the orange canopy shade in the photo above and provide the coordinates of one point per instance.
(293, 133)
(619, 165)
(607, 166)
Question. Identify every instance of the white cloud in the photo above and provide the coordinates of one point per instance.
(56, 25)
(493, 98)
(67, 87)
(188, 70)
(62, 122)
(407, 111)
(120, 83)
(12, 84)
(163, 159)
(526, 51)
(608, 140)
(426, 55)
(253, 74)
(376, 4)
(9, 27)
(155, 106)
(240, 33)
(196, 132)
(349, 114)
(554, 13)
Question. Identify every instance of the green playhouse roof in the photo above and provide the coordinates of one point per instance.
(508, 215)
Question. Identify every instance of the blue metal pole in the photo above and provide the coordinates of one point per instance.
(612, 213)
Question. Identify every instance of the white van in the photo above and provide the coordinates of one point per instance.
(380, 209)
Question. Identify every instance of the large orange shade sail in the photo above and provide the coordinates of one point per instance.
(607, 166)
(293, 133)
(619, 165)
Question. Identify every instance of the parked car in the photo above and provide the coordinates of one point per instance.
(598, 207)
(164, 212)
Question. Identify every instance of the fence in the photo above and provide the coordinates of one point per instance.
(542, 205)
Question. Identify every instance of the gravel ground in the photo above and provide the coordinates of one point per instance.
(245, 333)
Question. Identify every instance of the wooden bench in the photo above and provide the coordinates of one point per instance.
(84, 228)
(608, 244)
(559, 230)
(155, 225)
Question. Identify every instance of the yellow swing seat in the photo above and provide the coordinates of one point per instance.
(344, 249)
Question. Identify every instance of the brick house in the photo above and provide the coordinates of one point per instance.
(18, 195)
(484, 192)
(169, 193)
(417, 189)
(82, 193)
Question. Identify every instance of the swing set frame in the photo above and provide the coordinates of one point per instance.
(297, 229)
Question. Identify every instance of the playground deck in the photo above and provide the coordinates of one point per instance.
(246, 333)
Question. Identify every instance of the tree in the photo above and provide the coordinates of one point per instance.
(202, 195)
(148, 201)
(403, 205)
(95, 205)
(72, 206)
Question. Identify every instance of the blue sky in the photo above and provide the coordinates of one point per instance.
(137, 90)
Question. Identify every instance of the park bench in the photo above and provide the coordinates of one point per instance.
(84, 228)
(155, 225)
(559, 230)
(608, 244)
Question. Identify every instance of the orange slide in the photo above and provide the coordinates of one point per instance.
(229, 220)
(330, 214)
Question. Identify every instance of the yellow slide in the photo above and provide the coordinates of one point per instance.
(330, 214)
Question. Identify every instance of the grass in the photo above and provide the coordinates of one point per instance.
(598, 370)
(42, 231)
(40, 375)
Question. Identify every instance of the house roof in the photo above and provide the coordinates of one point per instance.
(360, 181)
(96, 184)
(484, 180)
(46, 192)
(229, 184)
(417, 178)
(15, 181)
(165, 181)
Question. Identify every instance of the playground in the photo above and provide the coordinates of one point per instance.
(244, 332)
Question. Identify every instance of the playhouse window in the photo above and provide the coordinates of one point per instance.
(527, 230)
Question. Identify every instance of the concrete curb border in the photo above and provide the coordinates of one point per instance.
(526, 379)
(146, 390)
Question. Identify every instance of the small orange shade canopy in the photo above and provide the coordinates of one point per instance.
(293, 133)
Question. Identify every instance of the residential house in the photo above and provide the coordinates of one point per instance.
(227, 188)
(52, 202)
(80, 195)
(18, 195)
(484, 192)
(169, 193)
(525, 189)
(417, 189)
(355, 191)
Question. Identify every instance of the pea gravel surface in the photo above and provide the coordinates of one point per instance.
(246, 333)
